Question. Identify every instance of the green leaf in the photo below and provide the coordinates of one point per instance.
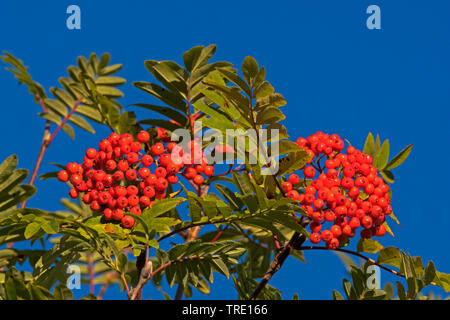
(168, 112)
(274, 100)
(444, 280)
(126, 120)
(390, 256)
(123, 263)
(82, 123)
(31, 230)
(17, 195)
(217, 119)
(399, 158)
(221, 267)
(191, 57)
(349, 290)
(337, 295)
(90, 112)
(233, 77)
(104, 60)
(162, 94)
(7, 167)
(194, 209)
(164, 72)
(369, 146)
(368, 246)
(264, 90)
(377, 144)
(106, 71)
(56, 106)
(269, 115)
(240, 101)
(249, 69)
(161, 124)
(69, 130)
(429, 274)
(52, 117)
(401, 291)
(204, 56)
(50, 227)
(387, 175)
(8, 253)
(293, 162)
(64, 97)
(381, 157)
(287, 146)
(110, 81)
(61, 292)
(233, 201)
(162, 206)
(109, 91)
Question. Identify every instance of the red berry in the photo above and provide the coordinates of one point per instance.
(91, 153)
(315, 238)
(286, 186)
(132, 157)
(380, 231)
(190, 173)
(336, 230)
(147, 160)
(63, 176)
(198, 179)
(209, 171)
(73, 193)
(117, 214)
(72, 168)
(172, 179)
(157, 149)
(144, 200)
(127, 222)
(309, 172)
(130, 174)
(161, 184)
(326, 235)
(133, 200)
(149, 192)
(160, 172)
(143, 136)
(123, 165)
(294, 179)
(143, 173)
(118, 176)
(107, 213)
(366, 222)
(333, 243)
(95, 205)
(136, 210)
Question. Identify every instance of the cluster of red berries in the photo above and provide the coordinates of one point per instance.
(348, 192)
(116, 179)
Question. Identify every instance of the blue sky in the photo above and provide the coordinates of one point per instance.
(337, 76)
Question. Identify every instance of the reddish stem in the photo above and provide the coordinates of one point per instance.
(217, 235)
(66, 118)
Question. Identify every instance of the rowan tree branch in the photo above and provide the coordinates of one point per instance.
(278, 261)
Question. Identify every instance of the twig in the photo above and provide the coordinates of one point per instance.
(179, 293)
(125, 284)
(360, 256)
(218, 235)
(277, 262)
(91, 273)
(102, 292)
(46, 141)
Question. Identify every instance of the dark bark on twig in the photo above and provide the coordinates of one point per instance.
(296, 240)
